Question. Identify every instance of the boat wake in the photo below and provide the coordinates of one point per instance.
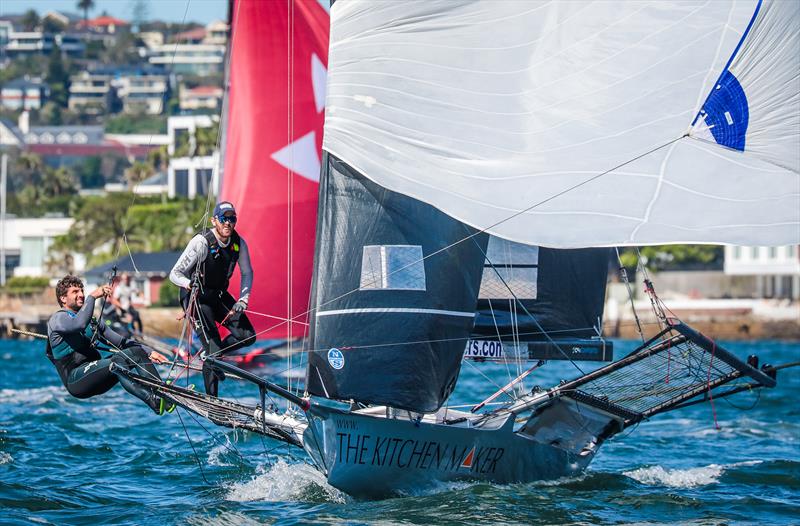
(683, 478)
(283, 481)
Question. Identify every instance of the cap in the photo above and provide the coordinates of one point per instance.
(224, 208)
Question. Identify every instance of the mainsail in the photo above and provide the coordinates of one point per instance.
(577, 124)
(277, 73)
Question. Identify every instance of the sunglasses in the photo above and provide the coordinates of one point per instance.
(227, 219)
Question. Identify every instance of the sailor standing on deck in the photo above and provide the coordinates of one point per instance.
(74, 342)
(213, 255)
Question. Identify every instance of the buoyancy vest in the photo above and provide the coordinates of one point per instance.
(74, 350)
(217, 269)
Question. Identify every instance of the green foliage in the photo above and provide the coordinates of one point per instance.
(57, 78)
(88, 173)
(147, 224)
(157, 227)
(26, 285)
(36, 189)
(136, 124)
(169, 295)
(85, 6)
(138, 172)
(51, 25)
(206, 139)
(95, 49)
(99, 227)
(33, 65)
(675, 257)
(30, 19)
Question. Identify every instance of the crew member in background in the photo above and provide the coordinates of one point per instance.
(74, 349)
(214, 254)
(122, 299)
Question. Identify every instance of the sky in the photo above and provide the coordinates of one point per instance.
(203, 11)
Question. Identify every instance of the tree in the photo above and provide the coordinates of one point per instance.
(158, 158)
(30, 20)
(85, 6)
(139, 14)
(99, 227)
(58, 182)
(674, 257)
(138, 172)
(30, 166)
(57, 78)
(89, 174)
(206, 139)
(51, 25)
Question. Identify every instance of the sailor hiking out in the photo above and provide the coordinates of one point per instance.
(74, 342)
(203, 272)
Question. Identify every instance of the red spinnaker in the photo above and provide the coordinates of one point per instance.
(273, 145)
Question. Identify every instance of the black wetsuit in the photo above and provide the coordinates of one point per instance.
(214, 303)
(81, 367)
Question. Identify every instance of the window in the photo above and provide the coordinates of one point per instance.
(773, 252)
(737, 252)
(182, 182)
(31, 252)
(517, 264)
(392, 267)
(754, 252)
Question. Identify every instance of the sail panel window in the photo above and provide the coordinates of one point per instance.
(521, 280)
(518, 265)
(392, 267)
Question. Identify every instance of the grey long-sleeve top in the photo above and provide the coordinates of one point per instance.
(68, 330)
(197, 251)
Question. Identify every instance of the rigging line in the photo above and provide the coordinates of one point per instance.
(477, 232)
(532, 317)
(289, 178)
(227, 445)
(196, 456)
(624, 272)
(512, 394)
(497, 331)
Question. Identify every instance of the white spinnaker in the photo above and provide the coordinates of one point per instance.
(486, 109)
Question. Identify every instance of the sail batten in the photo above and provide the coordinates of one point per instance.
(564, 124)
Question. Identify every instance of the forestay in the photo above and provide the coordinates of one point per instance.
(504, 115)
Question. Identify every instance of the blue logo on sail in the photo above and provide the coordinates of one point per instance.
(726, 113)
(336, 358)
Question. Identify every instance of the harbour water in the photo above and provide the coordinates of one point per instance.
(109, 460)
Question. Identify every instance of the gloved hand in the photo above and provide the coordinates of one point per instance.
(239, 306)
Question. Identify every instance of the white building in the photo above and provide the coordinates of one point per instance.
(90, 92)
(23, 43)
(143, 92)
(216, 33)
(192, 175)
(201, 97)
(775, 269)
(27, 240)
(24, 94)
(191, 59)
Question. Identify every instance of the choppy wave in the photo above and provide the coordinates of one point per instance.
(283, 481)
(683, 478)
(5, 458)
(33, 396)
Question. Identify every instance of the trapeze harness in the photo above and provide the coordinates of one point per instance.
(216, 270)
